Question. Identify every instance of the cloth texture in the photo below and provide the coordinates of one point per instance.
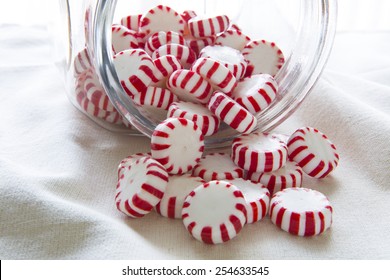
(58, 169)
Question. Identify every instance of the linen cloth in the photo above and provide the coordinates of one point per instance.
(58, 168)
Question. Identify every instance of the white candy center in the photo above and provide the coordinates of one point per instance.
(212, 206)
(302, 201)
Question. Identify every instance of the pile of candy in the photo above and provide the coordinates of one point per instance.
(186, 64)
(216, 194)
(203, 71)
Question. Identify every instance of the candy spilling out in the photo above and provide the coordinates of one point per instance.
(203, 68)
(203, 71)
(217, 194)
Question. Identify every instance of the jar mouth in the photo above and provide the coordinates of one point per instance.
(301, 70)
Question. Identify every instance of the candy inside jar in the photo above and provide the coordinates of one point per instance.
(230, 33)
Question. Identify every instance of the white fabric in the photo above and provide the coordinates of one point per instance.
(58, 168)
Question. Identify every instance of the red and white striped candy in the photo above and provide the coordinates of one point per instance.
(190, 86)
(197, 44)
(301, 211)
(257, 199)
(135, 70)
(131, 22)
(256, 93)
(179, 186)
(155, 97)
(184, 54)
(259, 152)
(79, 87)
(96, 93)
(85, 104)
(162, 38)
(114, 118)
(199, 114)
(123, 38)
(126, 162)
(178, 144)
(214, 212)
(165, 66)
(234, 27)
(231, 58)
(264, 58)
(82, 62)
(141, 37)
(216, 73)
(140, 187)
(217, 166)
(313, 151)
(289, 176)
(205, 27)
(188, 14)
(94, 111)
(161, 18)
(232, 113)
(234, 39)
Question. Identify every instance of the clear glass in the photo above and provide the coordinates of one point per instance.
(303, 29)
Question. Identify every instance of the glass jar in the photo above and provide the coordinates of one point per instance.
(303, 29)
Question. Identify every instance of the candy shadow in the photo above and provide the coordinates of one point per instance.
(172, 239)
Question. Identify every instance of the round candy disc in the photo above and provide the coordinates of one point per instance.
(216, 73)
(255, 93)
(313, 151)
(178, 144)
(263, 57)
(231, 58)
(199, 114)
(162, 38)
(301, 211)
(140, 187)
(204, 27)
(126, 162)
(161, 18)
(259, 152)
(123, 38)
(234, 39)
(135, 70)
(214, 212)
(257, 199)
(190, 86)
(232, 113)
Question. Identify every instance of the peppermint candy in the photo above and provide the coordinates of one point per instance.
(227, 219)
(232, 113)
(264, 58)
(190, 86)
(161, 18)
(140, 187)
(178, 144)
(204, 27)
(259, 152)
(256, 93)
(135, 70)
(204, 119)
(301, 211)
(216, 73)
(313, 151)
(257, 199)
